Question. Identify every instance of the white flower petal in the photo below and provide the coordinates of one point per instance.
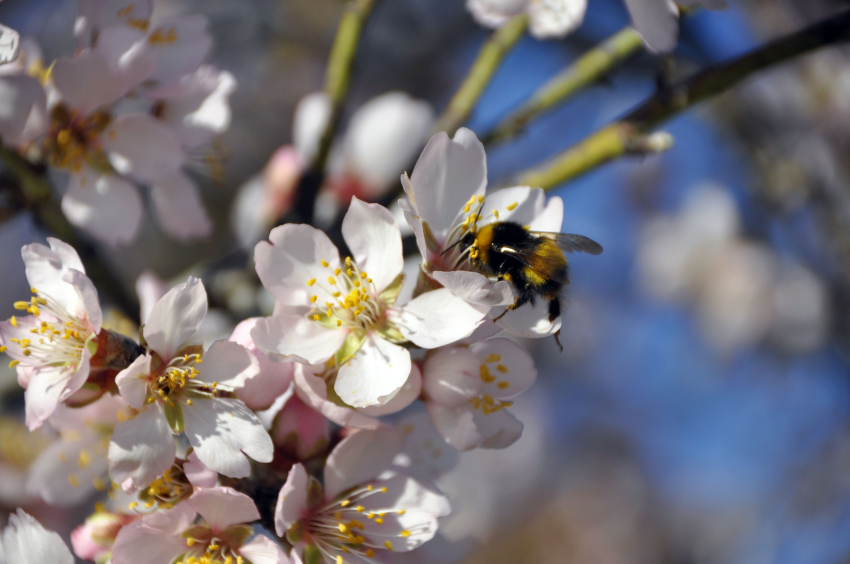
(294, 335)
(197, 106)
(438, 318)
(313, 391)
(26, 542)
(140, 146)
(221, 430)
(176, 317)
(555, 18)
(375, 372)
(291, 258)
(48, 387)
(494, 13)
(403, 397)
(452, 376)
(23, 109)
(372, 235)
(500, 429)
(86, 82)
(229, 364)
(132, 381)
(106, 206)
(150, 288)
(223, 507)
(311, 117)
(657, 22)
(360, 457)
(424, 457)
(382, 139)
(447, 174)
(263, 550)
(87, 294)
(292, 500)
(179, 208)
(180, 44)
(96, 15)
(476, 288)
(510, 365)
(142, 448)
(456, 425)
(529, 321)
(122, 47)
(46, 269)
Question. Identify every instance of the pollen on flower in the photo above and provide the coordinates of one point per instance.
(512, 206)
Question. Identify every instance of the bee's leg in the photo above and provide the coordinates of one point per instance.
(555, 313)
(521, 300)
(557, 340)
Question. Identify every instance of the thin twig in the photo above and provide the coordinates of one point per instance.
(589, 69)
(489, 58)
(337, 79)
(627, 136)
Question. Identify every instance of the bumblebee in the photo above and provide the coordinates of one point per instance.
(534, 262)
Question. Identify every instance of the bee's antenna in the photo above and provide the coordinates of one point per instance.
(453, 245)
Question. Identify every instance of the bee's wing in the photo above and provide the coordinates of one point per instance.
(570, 243)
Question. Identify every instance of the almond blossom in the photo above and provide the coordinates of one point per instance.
(220, 536)
(359, 510)
(467, 391)
(94, 539)
(52, 348)
(343, 311)
(175, 393)
(25, 541)
(446, 199)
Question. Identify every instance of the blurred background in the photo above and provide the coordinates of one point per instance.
(700, 411)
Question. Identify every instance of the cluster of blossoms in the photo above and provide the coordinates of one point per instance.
(136, 104)
(194, 443)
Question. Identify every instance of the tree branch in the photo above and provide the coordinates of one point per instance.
(337, 79)
(628, 135)
(489, 58)
(588, 69)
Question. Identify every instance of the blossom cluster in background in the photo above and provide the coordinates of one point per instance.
(134, 105)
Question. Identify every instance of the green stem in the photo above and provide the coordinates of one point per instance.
(337, 79)
(489, 58)
(628, 135)
(37, 195)
(587, 70)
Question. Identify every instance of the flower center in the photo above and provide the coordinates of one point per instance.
(74, 140)
(177, 383)
(168, 490)
(208, 548)
(485, 401)
(341, 526)
(58, 337)
(356, 303)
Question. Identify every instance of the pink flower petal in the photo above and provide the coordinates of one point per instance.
(223, 507)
